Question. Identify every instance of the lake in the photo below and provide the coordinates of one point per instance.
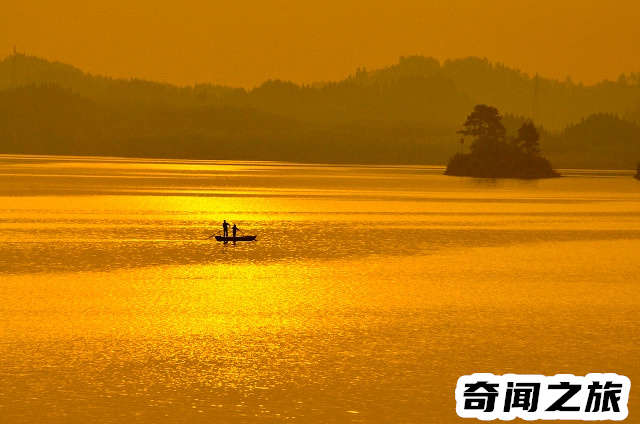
(369, 290)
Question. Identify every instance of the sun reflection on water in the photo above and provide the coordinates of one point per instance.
(368, 291)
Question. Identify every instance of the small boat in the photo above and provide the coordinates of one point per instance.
(238, 238)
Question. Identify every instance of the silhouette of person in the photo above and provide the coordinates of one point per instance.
(225, 228)
(234, 229)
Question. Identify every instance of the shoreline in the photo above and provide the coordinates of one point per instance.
(143, 159)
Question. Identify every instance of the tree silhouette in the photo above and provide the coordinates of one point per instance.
(528, 139)
(492, 156)
(484, 121)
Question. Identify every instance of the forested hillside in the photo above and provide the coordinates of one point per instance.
(405, 113)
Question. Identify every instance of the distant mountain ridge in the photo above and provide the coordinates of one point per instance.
(417, 89)
(405, 113)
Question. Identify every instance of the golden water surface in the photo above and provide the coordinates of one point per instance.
(369, 291)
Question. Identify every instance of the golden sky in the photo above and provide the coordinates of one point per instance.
(244, 42)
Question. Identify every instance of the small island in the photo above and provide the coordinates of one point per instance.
(638, 172)
(494, 154)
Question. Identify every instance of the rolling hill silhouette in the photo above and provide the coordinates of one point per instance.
(405, 113)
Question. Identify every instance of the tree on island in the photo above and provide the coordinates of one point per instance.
(528, 139)
(485, 121)
(494, 154)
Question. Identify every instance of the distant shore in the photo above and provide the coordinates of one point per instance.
(407, 113)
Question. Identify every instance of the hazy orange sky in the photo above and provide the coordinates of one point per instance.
(246, 42)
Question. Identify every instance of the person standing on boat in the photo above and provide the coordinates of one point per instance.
(225, 228)
(234, 229)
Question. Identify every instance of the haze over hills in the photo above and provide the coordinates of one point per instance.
(405, 113)
(244, 43)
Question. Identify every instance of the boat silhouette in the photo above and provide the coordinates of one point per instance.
(237, 238)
